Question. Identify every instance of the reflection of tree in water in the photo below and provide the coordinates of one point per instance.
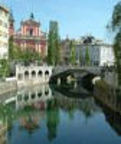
(88, 108)
(7, 115)
(52, 118)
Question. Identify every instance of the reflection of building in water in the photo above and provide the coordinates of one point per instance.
(33, 103)
(3, 129)
(36, 96)
(30, 122)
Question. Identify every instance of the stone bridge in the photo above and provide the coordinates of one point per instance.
(63, 73)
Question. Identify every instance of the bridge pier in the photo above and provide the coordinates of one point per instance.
(68, 79)
(58, 81)
(75, 84)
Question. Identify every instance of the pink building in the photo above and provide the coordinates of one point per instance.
(30, 36)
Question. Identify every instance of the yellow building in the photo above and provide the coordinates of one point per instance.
(4, 32)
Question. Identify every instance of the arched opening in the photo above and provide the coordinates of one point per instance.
(26, 97)
(33, 74)
(26, 74)
(20, 76)
(39, 94)
(31, 32)
(47, 73)
(33, 96)
(40, 73)
(19, 97)
(46, 92)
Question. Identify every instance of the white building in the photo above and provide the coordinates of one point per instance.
(4, 32)
(32, 75)
(100, 54)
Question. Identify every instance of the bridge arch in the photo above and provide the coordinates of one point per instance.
(39, 94)
(26, 97)
(33, 95)
(40, 73)
(47, 73)
(46, 92)
(26, 74)
(33, 74)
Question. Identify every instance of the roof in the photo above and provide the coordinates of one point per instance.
(30, 22)
(4, 8)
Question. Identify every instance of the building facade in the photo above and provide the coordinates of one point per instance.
(32, 75)
(30, 36)
(100, 53)
(4, 32)
(65, 50)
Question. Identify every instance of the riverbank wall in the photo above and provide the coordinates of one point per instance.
(108, 95)
(8, 86)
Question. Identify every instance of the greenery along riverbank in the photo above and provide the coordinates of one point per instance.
(4, 68)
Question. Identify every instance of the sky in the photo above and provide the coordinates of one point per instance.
(76, 18)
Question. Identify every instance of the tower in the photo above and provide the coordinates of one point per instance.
(11, 24)
(31, 16)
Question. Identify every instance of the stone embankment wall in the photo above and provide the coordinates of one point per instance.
(111, 79)
(7, 86)
(107, 96)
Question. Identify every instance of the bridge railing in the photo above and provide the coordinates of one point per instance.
(60, 69)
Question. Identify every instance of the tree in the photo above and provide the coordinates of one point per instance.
(116, 27)
(4, 68)
(72, 53)
(29, 55)
(15, 53)
(11, 55)
(53, 44)
(80, 56)
(87, 58)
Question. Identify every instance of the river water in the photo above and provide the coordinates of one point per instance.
(43, 115)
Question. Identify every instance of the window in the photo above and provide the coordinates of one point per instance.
(31, 32)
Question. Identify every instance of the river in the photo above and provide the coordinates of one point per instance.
(46, 115)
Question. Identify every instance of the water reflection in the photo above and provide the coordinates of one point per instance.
(42, 115)
(110, 102)
(36, 96)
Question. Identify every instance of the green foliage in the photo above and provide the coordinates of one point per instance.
(15, 53)
(52, 118)
(53, 44)
(87, 58)
(80, 56)
(116, 17)
(29, 55)
(116, 27)
(11, 48)
(4, 68)
(72, 53)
